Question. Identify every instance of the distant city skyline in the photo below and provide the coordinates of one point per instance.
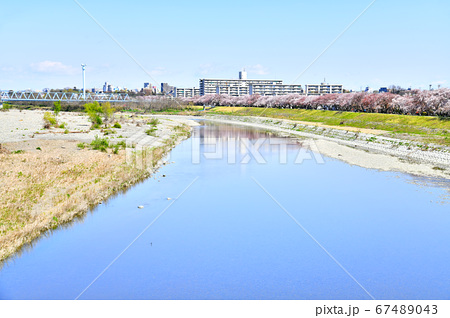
(401, 43)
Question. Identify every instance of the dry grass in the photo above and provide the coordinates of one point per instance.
(41, 190)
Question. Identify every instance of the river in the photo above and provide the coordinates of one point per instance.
(241, 214)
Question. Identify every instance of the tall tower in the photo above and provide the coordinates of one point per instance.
(243, 75)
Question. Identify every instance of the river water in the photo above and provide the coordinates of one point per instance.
(251, 216)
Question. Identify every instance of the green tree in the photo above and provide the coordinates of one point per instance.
(93, 110)
(57, 107)
(107, 110)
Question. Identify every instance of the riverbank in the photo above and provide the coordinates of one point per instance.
(424, 129)
(365, 149)
(50, 176)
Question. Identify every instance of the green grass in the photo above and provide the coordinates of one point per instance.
(425, 128)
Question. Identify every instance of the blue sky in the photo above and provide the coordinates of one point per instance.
(395, 42)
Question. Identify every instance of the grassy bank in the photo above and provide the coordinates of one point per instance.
(421, 128)
(44, 189)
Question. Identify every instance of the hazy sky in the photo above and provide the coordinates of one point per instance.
(402, 42)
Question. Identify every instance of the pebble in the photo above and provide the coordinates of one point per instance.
(140, 207)
(169, 198)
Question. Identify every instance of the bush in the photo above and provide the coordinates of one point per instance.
(122, 144)
(117, 125)
(49, 120)
(6, 106)
(81, 145)
(151, 132)
(153, 122)
(108, 132)
(100, 144)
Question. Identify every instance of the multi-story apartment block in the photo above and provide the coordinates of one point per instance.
(235, 86)
(186, 92)
(274, 90)
(323, 88)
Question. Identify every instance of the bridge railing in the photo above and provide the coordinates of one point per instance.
(63, 96)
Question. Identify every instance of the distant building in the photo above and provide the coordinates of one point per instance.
(233, 87)
(243, 75)
(167, 89)
(186, 92)
(323, 88)
(274, 90)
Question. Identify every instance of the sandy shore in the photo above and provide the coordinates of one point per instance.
(47, 179)
(365, 149)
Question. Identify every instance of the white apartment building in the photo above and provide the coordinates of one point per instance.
(274, 90)
(186, 92)
(211, 86)
(323, 88)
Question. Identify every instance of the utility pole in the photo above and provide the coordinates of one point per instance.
(83, 67)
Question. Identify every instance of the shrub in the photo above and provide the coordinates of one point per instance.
(63, 125)
(151, 132)
(81, 145)
(6, 106)
(49, 120)
(116, 149)
(108, 132)
(153, 122)
(117, 125)
(100, 143)
(122, 144)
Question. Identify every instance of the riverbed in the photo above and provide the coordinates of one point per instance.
(239, 213)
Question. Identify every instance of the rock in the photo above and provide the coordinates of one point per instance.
(63, 147)
(163, 175)
(140, 207)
